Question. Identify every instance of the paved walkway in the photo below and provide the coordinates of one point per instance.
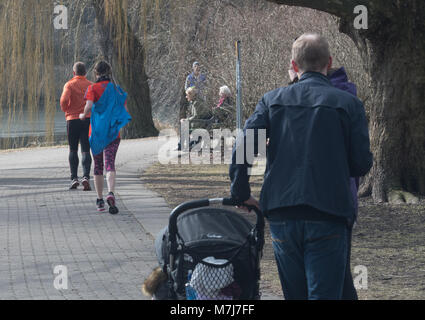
(44, 225)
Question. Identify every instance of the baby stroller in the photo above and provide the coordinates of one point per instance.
(210, 253)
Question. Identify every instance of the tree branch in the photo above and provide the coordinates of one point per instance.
(342, 8)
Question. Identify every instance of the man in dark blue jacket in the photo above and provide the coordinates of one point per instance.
(318, 139)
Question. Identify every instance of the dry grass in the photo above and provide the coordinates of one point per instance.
(180, 183)
(388, 239)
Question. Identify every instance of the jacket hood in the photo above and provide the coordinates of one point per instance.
(108, 117)
(339, 80)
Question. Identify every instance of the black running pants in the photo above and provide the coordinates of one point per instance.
(78, 133)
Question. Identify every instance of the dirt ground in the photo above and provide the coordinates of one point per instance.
(389, 240)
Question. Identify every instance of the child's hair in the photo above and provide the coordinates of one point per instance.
(153, 282)
(102, 68)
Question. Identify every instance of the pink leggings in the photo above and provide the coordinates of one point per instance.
(110, 153)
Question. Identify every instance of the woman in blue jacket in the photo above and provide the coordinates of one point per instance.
(107, 103)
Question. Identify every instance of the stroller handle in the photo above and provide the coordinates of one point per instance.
(172, 224)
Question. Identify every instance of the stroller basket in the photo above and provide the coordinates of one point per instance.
(213, 280)
(211, 253)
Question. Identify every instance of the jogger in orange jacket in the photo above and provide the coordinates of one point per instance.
(72, 103)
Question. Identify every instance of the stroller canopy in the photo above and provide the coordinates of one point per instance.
(203, 227)
(212, 225)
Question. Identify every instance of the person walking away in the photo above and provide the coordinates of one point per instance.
(318, 139)
(339, 79)
(72, 103)
(107, 103)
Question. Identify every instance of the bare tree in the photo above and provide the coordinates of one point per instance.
(393, 53)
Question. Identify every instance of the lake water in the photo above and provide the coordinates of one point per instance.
(23, 127)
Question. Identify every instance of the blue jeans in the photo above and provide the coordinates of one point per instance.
(311, 258)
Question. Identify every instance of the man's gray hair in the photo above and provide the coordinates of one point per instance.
(311, 52)
(79, 68)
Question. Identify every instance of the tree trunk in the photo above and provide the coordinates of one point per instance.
(393, 52)
(126, 54)
(397, 118)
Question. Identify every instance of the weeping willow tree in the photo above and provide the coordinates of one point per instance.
(26, 65)
(121, 46)
(35, 61)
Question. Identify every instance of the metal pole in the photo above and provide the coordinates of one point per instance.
(238, 87)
